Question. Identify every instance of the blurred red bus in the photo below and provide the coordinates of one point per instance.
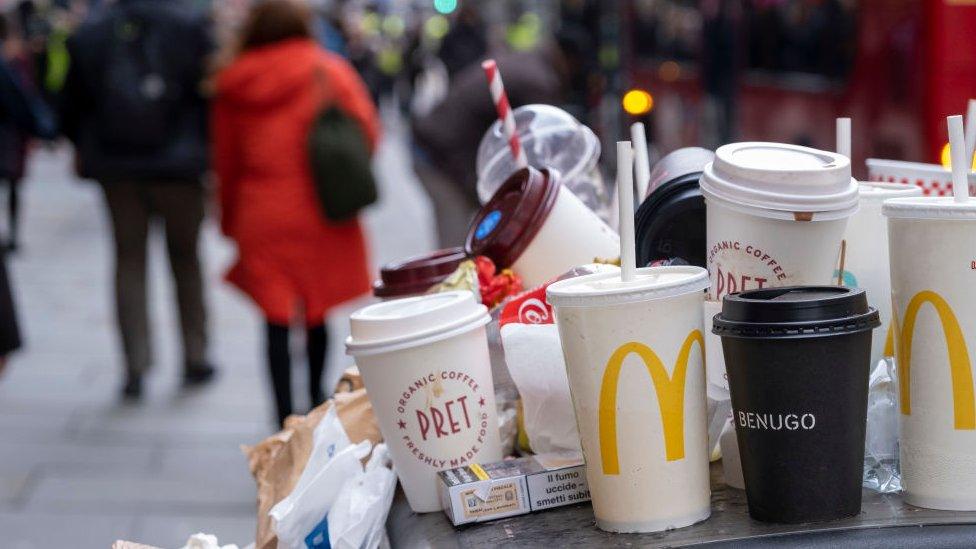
(788, 68)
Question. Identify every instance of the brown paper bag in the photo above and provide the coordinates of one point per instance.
(278, 461)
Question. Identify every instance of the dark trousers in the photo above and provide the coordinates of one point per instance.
(134, 208)
(279, 365)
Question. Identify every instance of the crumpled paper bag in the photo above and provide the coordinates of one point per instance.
(277, 462)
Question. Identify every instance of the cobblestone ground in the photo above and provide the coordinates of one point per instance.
(78, 468)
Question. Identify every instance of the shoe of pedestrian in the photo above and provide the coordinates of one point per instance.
(132, 389)
(196, 375)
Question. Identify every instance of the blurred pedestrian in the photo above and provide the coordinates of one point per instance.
(466, 42)
(447, 138)
(9, 329)
(23, 114)
(292, 261)
(132, 105)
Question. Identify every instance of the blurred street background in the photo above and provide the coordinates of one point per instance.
(80, 469)
(94, 449)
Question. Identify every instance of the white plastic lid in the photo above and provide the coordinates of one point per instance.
(884, 191)
(775, 177)
(943, 207)
(404, 323)
(603, 289)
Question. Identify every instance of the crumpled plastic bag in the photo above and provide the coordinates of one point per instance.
(357, 518)
(299, 519)
(337, 502)
(278, 461)
(882, 472)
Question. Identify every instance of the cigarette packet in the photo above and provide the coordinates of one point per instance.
(483, 492)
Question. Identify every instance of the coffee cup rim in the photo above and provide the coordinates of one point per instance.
(930, 207)
(562, 294)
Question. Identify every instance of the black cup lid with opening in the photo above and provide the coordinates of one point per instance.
(670, 224)
(797, 311)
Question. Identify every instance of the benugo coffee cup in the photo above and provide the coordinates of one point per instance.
(798, 360)
(539, 229)
(634, 360)
(933, 287)
(866, 258)
(424, 361)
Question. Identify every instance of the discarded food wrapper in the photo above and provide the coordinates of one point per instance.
(478, 493)
(535, 362)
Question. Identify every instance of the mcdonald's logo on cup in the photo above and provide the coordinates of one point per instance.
(670, 392)
(637, 382)
(960, 367)
(931, 248)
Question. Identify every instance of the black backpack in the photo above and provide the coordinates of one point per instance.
(140, 91)
(339, 156)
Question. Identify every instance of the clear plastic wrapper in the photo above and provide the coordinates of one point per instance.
(881, 468)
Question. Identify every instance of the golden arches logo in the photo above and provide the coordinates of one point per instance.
(670, 395)
(960, 370)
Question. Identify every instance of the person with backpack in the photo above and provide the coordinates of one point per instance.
(293, 126)
(133, 107)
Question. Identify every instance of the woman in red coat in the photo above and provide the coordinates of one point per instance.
(292, 260)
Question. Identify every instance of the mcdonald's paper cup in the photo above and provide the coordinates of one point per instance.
(775, 215)
(866, 260)
(636, 373)
(932, 243)
(424, 361)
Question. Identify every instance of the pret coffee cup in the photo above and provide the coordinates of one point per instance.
(798, 360)
(634, 360)
(866, 258)
(933, 275)
(418, 274)
(775, 215)
(539, 229)
(424, 361)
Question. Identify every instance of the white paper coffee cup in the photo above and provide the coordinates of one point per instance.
(635, 364)
(775, 215)
(538, 228)
(866, 261)
(572, 235)
(932, 243)
(424, 361)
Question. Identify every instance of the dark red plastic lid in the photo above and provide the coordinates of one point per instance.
(416, 275)
(510, 220)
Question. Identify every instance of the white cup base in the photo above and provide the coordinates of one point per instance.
(653, 525)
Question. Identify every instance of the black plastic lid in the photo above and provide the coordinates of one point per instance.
(797, 311)
(670, 223)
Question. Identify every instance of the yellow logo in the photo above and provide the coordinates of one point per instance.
(963, 398)
(670, 395)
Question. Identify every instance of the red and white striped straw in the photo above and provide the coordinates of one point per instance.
(505, 114)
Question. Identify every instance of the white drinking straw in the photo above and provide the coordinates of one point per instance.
(625, 196)
(970, 130)
(957, 151)
(844, 136)
(641, 164)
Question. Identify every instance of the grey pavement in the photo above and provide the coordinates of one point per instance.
(78, 468)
